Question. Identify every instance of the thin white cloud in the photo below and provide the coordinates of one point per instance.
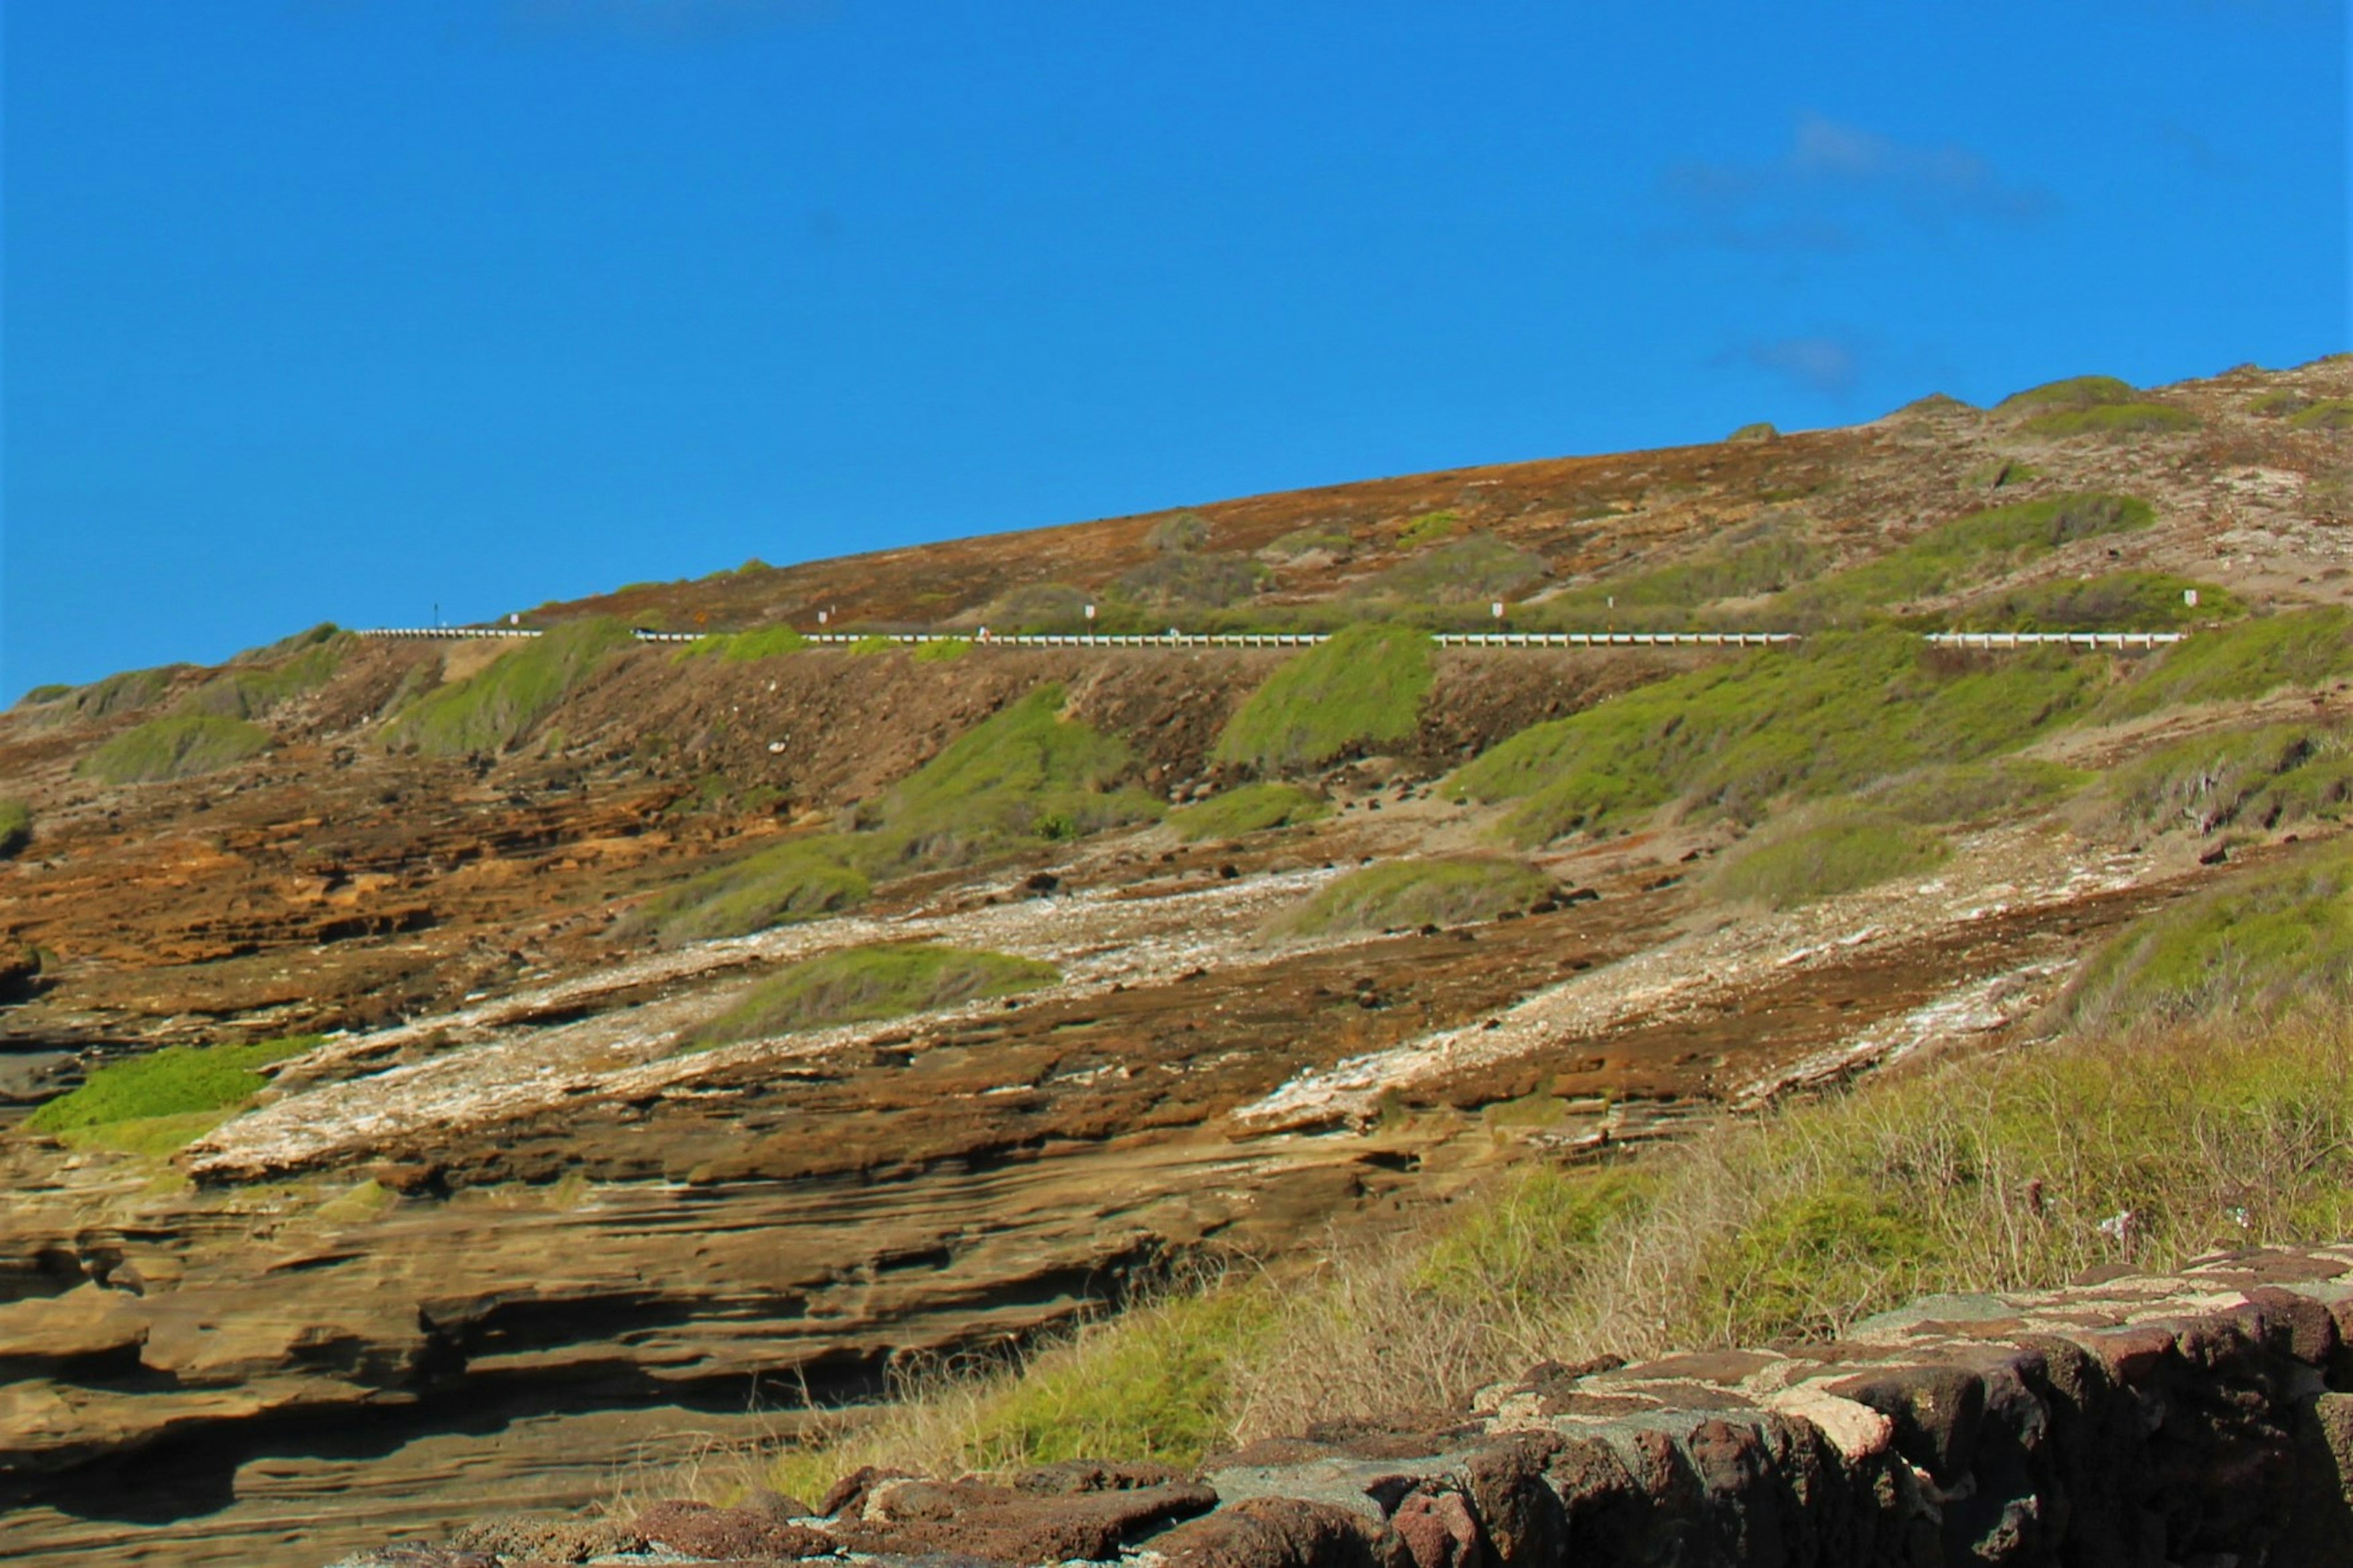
(1828, 364)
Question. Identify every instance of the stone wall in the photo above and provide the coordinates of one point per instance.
(2202, 1419)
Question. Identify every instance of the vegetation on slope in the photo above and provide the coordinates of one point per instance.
(491, 710)
(15, 827)
(2303, 647)
(1978, 1173)
(1362, 688)
(742, 647)
(179, 746)
(157, 1103)
(2074, 392)
(2126, 601)
(1404, 895)
(1967, 550)
(861, 984)
(1251, 808)
(1472, 570)
(2111, 419)
(1835, 713)
(257, 682)
(2264, 777)
(1966, 793)
(1666, 596)
(1817, 854)
(800, 879)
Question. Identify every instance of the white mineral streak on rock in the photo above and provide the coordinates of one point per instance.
(1705, 967)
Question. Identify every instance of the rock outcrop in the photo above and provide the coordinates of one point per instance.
(2204, 1417)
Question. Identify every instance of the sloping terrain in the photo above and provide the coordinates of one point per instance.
(513, 1171)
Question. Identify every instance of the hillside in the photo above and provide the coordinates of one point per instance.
(450, 1071)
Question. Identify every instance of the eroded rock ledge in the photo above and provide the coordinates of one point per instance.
(2203, 1419)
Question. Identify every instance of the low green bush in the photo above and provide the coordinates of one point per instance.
(743, 647)
(2117, 601)
(1666, 595)
(1251, 808)
(179, 746)
(2279, 404)
(2074, 392)
(2111, 419)
(1818, 854)
(255, 683)
(1024, 774)
(1953, 555)
(2334, 414)
(945, 650)
(1474, 569)
(1440, 890)
(15, 827)
(42, 696)
(2302, 647)
(490, 711)
(1963, 792)
(1318, 539)
(1831, 714)
(860, 985)
(1428, 528)
(2258, 944)
(1761, 430)
(178, 1080)
(2263, 778)
(1178, 533)
(799, 879)
(1181, 580)
(1362, 688)
(124, 692)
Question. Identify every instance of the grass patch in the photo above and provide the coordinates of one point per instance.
(2280, 403)
(862, 983)
(1964, 793)
(1024, 774)
(249, 688)
(1329, 539)
(1832, 714)
(1769, 564)
(869, 646)
(41, 696)
(1474, 569)
(1251, 808)
(743, 647)
(1178, 533)
(2260, 778)
(177, 1081)
(2111, 419)
(800, 879)
(1181, 579)
(2074, 392)
(1818, 854)
(1759, 430)
(178, 747)
(1400, 895)
(1364, 688)
(123, 692)
(2250, 948)
(490, 711)
(2333, 414)
(1971, 549)
(945, 650)
(2303, 647)
(2117, 601)
(15, 827)
(1428, 528)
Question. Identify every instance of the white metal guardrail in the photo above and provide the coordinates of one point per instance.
(1982, 640)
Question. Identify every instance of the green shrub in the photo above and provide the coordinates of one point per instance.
(41, 696)
(1317, 539)
(1967, 549)
(1762, 430)
(2334, 413)
(178, 747)
(742, 647)
(2075, 392)
(2118, 601)
(2259, 944)
(1818, 854)
(1428, 528)
(945, 650)
(1831, 714)
(1396, 895)
(490, 711)
(1364, 688)
(2262, 778)
(1178, 533)
(178, 1080)
(1181, 579)
(1024, 774)
(2277, 404)
(861, 984)
(1475, 569)
(248, 688)
(2303, 647)
(124, 692)
(1957, 792)
(799, 879)
(2111, 419)
(1251, 808)
(1667, 594)
(15, 827)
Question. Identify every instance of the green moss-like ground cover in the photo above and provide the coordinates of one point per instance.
(2303, 647)
(249, 688)
(1362, 688)
(745, 648)
(178, 746)
(1397, 895)
(1971, 549)
(494, 708)
(863, 983)
(1251, 808)
(15, 827)
(177, 1081)
(2128, 601)
(2111, 419)
(1835, 713)
(1818, 854)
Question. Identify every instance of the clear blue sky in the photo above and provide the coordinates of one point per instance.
(340, 308)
